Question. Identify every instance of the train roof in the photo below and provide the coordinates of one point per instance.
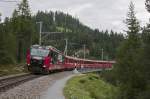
(47, 47)
(74, 58)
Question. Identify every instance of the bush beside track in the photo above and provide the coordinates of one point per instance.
(89, 86)
(12, 69)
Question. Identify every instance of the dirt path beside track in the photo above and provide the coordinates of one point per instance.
(55, 91)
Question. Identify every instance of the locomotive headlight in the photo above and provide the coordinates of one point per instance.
(44, 66)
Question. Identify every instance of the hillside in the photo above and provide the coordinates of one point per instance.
(78, 34)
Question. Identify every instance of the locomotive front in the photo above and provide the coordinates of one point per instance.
(38, 59)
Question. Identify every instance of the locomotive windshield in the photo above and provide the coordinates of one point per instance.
(39, 52)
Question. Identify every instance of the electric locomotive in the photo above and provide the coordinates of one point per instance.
(42, 59)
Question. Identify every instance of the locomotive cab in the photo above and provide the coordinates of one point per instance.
(39, 59)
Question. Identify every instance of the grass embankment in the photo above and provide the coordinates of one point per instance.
(11, 69)
(89, 86)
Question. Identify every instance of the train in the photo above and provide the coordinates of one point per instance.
(46, 59)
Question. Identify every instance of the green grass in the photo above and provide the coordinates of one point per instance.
(11, 69)
(61, 29)
(89, 86)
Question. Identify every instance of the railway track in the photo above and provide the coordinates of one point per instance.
(10, 82)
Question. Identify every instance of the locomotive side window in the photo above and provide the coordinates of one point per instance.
(54, 57)
(61, 58)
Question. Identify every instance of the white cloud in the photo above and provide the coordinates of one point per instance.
(77, 9)
(102, 14)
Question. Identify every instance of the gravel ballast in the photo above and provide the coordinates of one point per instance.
(35, 88)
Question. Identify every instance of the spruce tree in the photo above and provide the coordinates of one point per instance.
(0, 17)
(126, 67)
(147, 4)
(145, 59)
(23, 27)
(7, 46)
(145, 63)
(2, 44)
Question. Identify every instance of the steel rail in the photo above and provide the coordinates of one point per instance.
(10, 82)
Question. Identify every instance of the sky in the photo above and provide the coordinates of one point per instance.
(101, 14)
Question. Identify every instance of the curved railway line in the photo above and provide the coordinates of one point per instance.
(7, 83)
